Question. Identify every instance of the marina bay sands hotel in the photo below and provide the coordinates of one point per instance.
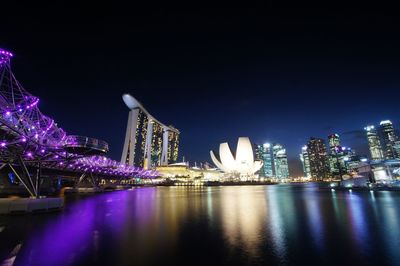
(148, 142)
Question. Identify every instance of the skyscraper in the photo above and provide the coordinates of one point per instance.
(148, 142)
(335, 154)
(396, 149)
(280, 161)
(334, 141)
(258, 150)
(267, 159)
(264, 153)
(389, 137)
(318, 157)
(375, 147)
(305, 161)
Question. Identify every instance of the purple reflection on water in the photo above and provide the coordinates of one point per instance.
(315, 219)
(61, 240)
(356, 213)
(272, 225)
(74, 233)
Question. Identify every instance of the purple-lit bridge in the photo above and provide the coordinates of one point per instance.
(31, 142)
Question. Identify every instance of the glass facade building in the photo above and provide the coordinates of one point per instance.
(318, 157)
(305, 161)
(280, 161)
(374, 143)
(264, 154)
(335, 154)
(389, 138)
(268, 160)
(334, 142)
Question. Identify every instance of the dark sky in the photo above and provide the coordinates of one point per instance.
(275, 75)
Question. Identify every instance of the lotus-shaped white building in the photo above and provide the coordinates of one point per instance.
(242, 164)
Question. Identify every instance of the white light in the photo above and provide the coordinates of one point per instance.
(369, 128)
(243, 163)
(385, 122)
(267, 145)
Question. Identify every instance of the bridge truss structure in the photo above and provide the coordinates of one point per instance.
(31, 141)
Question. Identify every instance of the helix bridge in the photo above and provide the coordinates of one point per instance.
(31, 142)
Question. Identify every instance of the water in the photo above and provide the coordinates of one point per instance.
(247, 225)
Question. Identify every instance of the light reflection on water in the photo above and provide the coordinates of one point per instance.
(243, 214)
(282, 224)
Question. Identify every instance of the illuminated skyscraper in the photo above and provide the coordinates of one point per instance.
(264, 153)
(258, 150)
(280, 161)
(334, 142)
(318, 157)
(305, 161)
(148, 142)
(268, 160)
(375, 147)
(396, 149)
(389, 137)
(335, 154)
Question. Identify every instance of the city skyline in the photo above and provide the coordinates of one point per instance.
(269, 77)
(199, 136)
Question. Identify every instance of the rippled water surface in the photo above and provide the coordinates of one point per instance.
(269, 225)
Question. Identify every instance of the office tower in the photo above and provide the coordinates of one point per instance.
(334, 142)
(268, 160)
(148, 142)
(258, 150)
(374, 143)
(264, 154)
(305, 161)
(280, 161)
(335, 154)
(318, 157)
(396, 149)
(389, 137)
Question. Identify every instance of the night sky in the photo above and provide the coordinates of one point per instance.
(274, 75)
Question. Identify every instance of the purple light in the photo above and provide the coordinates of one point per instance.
(43, 136)
(4, 52)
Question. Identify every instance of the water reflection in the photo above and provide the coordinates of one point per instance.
(283, 224)
(315, 219)
(243, 212)
(275, 225)
(356, 213)
(389, 213)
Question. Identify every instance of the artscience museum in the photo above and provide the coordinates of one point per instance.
(241, 165)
